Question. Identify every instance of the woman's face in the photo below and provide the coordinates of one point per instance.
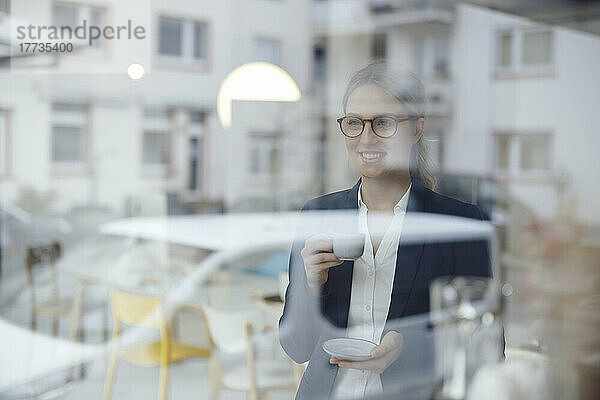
(375, 156)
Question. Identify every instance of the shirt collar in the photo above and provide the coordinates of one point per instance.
(399, 207)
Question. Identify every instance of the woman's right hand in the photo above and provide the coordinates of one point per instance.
(318, 257)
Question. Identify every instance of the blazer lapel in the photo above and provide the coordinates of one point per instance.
(409, 258)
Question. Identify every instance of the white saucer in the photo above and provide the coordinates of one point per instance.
(349, 349)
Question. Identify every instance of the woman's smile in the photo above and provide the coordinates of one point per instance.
(371, 157)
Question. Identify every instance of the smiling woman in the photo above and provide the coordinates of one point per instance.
(364, 298)
(376, 92)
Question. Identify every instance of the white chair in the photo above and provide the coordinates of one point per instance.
(233, 334)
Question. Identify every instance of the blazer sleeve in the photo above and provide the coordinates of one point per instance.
(299, 325)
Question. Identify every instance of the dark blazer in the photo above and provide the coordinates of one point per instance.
(309, 320)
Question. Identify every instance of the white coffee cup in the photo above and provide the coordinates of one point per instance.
(348, 246)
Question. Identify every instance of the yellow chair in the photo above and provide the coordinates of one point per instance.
(146, 312)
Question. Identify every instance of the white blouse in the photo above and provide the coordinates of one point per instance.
(372, 281)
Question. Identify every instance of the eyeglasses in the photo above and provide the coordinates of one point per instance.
(384, 127)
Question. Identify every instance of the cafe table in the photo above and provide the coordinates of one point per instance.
(132, 254)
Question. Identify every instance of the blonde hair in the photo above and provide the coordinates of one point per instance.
(408, 89)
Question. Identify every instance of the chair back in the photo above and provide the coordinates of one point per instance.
(41, 256)
(137, 310)
(227, 328)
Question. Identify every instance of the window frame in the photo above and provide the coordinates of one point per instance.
(517, 68)
(83, 122)
(84, 12)
(264, 38)
(515, 151)
(425, 53)
(196, 130)
(6, 9)
(187, 59)
(264, 142)
(153, 122)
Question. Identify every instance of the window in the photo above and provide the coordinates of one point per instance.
(182, 41)
(523, 153)
(503, 152)
(536, 49)
(195, 133)
(524, 50)
(505, 49)
(156, 140)
(379, 46)
(73, 15)
(69, 144)
(4, 6)
(535, 153)
(268, 50)
(320, 62)
(432, 57)
(264, 157)
(3, 141)
(171, 37)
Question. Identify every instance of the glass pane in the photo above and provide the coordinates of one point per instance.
(68, 143)
(379, 46)
(199, 41)
(171, 32)
(535, 152)
(156, 148)
(65, 15)
(268, 50)
(4, 6)
(441, 57)
(68, 107)
(537, 48)
(320, 62)
(505, 49)
(197, 116)
(502, 152)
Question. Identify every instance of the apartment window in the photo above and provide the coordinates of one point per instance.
(320, 62)
(69, 144)
(73, 15)
(537, 48)
(182, 40)
(379, 46)
(264, 157)
(3, 141)
(523, 153)
(156, 140)
(268, 50)
(195, 134)
(524, 50)
(535, 153)
(4, 6)
(432, 56)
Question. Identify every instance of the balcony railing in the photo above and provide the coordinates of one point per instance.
(356, 16)
(394, 6)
